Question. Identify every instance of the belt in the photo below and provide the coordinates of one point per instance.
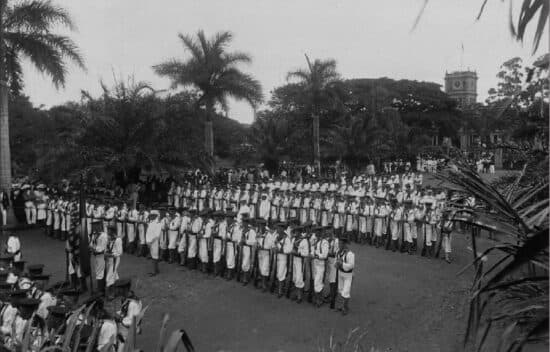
(346, 271)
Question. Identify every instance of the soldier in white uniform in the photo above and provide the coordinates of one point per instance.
(301, 251)
(98, 245)
(152, 237)
(143, 219)
(331, 270)
(266, 244)
(185, 227)
(113, 252)
(192, 252)
(320, 256)
(173, 236)
(345, 264)
(284, 248)
(248, 252)
(232, 248)
(131, 229)
(205, 242)
(220, 234)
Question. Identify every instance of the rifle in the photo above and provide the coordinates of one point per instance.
(272, 268)
(423, 253)
(333, 292)
(239, 251)
(388, 233)
(253, 264)
(288, 280)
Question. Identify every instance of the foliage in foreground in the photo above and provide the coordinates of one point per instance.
(509, 297)
(66, 342)
(352, 343)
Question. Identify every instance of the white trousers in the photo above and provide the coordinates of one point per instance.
(230, 255)
(344, 283)
(282, 260)
(318, 269)
(192, 248)
(203, 250)
(182, 245)
(172, 238)
(112, 271)
(245, 263)
(297, 272)
(217, 250)
(263, 262)
(154, 248)
(141, 234)
(99, 263)
(131, 231)
(30, 214)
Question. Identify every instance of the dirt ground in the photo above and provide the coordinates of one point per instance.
(402, 302)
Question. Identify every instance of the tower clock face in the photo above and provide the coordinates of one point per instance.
(457, 84)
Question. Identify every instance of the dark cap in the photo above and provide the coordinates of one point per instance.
(35, 269)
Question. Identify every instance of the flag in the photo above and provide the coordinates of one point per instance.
(84, 245)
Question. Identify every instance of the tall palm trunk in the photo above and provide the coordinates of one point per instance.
(5, 154)
(209, 132)
(316, 151)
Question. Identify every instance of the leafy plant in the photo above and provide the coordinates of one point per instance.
(510, 295)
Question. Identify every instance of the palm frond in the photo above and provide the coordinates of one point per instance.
(47, 52)
(37, 16)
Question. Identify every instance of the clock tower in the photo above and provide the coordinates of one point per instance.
(462, 86)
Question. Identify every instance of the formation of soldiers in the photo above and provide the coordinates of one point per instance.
(28, 303)
(284, 237)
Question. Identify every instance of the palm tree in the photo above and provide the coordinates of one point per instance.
(317, 79)
(26, 30)
(215, 73)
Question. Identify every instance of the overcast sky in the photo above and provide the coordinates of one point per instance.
(368, 39)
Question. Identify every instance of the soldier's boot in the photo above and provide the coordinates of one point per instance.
(246, 278)
(425, 250)
(307, 296)
(404, 246)
(414, 245)
(171, 256)
(345, 307)
(264, 283)
(448, 257)
(338, 303)
(369, 238)
(74, 281)
(333, 297)
(299, 295)
(216, 269)
(432, 250)
(377, 241)
(101, 286)
(319, 299)
(280, 287)
(83, 286)
(110, 293)
(394, 245)
(228, 274)
(155, 270)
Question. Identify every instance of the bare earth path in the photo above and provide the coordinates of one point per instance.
(403, 302)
